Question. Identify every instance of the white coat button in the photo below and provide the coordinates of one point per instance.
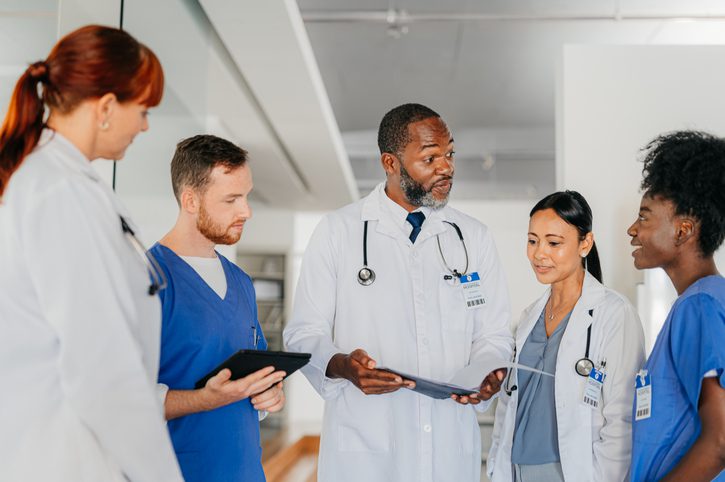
(425, 341)
(427, 428)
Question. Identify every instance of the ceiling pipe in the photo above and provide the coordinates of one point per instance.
(402, 17)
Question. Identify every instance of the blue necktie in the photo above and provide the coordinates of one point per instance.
(416, 220)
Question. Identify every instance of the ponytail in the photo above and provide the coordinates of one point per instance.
(85, 64)
(23, 122)
(591, 263)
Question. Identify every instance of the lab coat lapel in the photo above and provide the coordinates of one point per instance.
(432, 226)
(529, 319)
(372, 211)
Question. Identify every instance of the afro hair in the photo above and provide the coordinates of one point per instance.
(688, 168)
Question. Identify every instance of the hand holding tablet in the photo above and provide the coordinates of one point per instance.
(245, 362)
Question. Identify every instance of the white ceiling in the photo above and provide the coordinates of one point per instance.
(282, 88)
(488, 67)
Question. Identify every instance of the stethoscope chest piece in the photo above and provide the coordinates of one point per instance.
(365, 276)
(584, 366)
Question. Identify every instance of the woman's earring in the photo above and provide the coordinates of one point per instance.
(105, 125)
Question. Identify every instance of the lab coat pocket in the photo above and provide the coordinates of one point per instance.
(453, 312)
(364, 423)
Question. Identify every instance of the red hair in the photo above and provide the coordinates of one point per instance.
(85, 64)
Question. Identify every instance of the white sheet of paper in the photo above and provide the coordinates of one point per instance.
(472, 376)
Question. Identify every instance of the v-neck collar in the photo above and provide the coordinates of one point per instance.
(190, 273)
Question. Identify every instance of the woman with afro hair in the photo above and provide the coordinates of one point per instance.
(679, 412)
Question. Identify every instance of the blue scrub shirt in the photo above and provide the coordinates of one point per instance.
(199, 331)
(691, 343)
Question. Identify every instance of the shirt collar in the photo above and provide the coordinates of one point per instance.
(71, 155)
(398, 213)
(391, 217)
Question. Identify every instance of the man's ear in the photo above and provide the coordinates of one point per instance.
(390, 163)
(685, 230)
(189, 200)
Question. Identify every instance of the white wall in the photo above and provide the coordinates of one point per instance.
(509, 223)
(611, 101)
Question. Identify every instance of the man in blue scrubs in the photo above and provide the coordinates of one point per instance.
(679, 413)
(209, 313)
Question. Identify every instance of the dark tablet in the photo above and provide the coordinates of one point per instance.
(245, 362)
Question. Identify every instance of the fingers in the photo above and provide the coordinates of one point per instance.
(279, 405)
(472, 399)
(259, 374)
(362, 357)
(375, 382)
(263, 384)
(491, 385)
(271, 400)
(219, 379)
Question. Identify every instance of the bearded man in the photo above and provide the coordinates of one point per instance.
(209, 313)
(401, 280)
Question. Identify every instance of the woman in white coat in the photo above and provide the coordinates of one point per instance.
(79, 318)
(575, 426)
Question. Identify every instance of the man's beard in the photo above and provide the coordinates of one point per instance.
(416, 194)
(214, 232)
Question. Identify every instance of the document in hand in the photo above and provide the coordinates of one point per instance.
(466, 381)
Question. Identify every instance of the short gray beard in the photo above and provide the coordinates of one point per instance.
(416, 194)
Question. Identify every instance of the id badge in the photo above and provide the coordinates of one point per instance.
(472, 291)
(593, 388)
(643, 396)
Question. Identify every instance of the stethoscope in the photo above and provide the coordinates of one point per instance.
(366, 275)
(158, 279)
(583, 366)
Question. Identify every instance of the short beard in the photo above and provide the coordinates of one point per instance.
(212, 231)
(416, 194)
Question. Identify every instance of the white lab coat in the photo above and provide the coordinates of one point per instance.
(594, 444)
(410, 319)
(79, 332)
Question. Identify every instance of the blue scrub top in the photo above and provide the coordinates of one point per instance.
(536, 436)
(199, 331)
(691, 343)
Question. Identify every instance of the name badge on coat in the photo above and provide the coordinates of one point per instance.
(472, 291)
(643, 396)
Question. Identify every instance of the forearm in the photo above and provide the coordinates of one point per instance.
(706, 458)
(702, 463)
(336, 366)
(180, 403)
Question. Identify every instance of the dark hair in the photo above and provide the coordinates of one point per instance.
(87, 63)
(688, 168)
(197, 156)
(393, 131)
(574, 209)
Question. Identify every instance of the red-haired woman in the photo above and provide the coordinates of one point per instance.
(79, 329)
